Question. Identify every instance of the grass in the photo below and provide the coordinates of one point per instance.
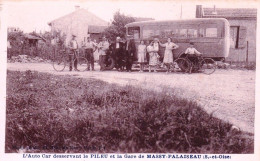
(47, 113)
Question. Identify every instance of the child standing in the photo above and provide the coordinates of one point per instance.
(141, 55)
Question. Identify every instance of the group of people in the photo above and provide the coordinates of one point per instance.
(123, 53)
(152, 48)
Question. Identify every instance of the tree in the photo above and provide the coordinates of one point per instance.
(117, 28)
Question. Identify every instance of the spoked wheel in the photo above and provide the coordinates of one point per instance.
(109, 63)
(207, 66)
(181, 64)
(59, 63)
(82, 64)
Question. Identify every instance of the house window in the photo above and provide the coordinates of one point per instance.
(234, 37)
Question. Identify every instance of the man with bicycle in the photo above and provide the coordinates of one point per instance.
(73, 46)
(193, 54)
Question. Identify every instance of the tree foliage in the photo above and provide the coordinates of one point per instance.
(117, 28)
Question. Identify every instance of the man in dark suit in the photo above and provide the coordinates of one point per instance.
(118, 50)
(130, 50)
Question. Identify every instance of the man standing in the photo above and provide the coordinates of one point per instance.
(129, 54)
(88, 49)
(73, 46)
(103, 47)
(118, 50)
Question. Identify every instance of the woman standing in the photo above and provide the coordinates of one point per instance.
(168, 55)
(153, 57)
(141, 55)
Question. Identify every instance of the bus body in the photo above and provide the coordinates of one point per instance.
(210, 35)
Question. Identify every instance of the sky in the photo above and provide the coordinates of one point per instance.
(34, 16)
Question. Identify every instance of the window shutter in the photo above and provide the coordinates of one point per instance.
(242, 37)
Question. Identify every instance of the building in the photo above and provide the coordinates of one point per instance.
(242, 30)
(80, 23)
(13, 29)
(34, 40)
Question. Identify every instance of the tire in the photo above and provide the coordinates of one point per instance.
(82, 64)
(208, 66)
(109, 64)
(182, 64)
(59, 63)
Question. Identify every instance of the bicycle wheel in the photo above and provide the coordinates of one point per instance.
(82, 64)
(182, 65)
(207, 66)
(59, 63)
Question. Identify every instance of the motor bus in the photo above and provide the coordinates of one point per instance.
(211, 36)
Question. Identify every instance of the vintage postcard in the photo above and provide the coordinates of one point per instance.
(129, 80)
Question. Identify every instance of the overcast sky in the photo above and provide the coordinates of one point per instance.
(30, 16)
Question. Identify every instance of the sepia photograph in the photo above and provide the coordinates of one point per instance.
(125, 77)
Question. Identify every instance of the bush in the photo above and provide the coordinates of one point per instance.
(21, 46)
(47, 113)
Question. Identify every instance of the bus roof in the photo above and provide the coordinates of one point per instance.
(195, 20)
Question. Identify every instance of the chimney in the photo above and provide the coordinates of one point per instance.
(77, 7)
(215, 11)
(199, 11)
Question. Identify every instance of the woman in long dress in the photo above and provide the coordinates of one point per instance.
(153, 57)
(168, 55)
(142, 55)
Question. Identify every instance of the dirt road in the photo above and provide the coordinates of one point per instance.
(229, 94)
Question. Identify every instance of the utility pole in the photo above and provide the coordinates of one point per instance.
(181, 12)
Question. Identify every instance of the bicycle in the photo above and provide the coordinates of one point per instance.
(61, 59)
(204, 65)
(180, 64)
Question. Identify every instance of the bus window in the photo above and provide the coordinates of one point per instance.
(211, 32)
(150, 32)
(192, 33)
(134, 31)
(208, 32)
(168, 31)
(183, 33)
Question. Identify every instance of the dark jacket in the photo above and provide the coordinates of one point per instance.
(118, 52)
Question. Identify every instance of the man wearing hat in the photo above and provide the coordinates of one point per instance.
(118, 51)
(103, 46)
(73, 46)
(88, 49)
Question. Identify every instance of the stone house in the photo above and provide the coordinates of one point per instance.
(242, 30)
(78, 23)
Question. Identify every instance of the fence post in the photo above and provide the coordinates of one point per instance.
(247, 54)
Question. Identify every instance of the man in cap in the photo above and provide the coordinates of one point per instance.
(103, 46)
(88, 49)
(73, 46)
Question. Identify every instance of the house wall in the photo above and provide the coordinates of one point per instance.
(239, 54)
(69, 26)
(76, 23)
